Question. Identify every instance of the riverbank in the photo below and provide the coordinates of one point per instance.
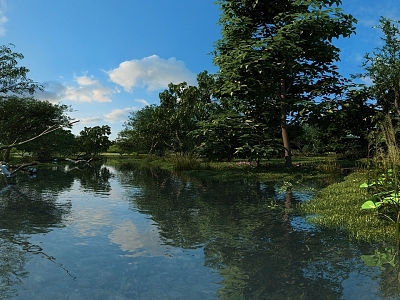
(336, 205)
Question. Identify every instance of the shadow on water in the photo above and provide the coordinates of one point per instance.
(248, 232)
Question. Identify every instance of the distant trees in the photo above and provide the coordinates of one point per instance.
(167, 127)
(59, 143)
(93, 140)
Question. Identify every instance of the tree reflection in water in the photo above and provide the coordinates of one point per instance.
(249, 233)
(26, 210)
(255, 245)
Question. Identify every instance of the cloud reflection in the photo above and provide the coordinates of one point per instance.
(130, 239)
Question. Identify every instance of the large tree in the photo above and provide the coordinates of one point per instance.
(280, 53)
(25, 119)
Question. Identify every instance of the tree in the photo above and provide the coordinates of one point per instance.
(280, 53)
(13, 79)
(383, 68)
(93, 140)
(143, 131)
(60, 143)
(341, 126)
(26, 119)
(168, 125)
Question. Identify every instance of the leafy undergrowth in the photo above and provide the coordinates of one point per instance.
(338, 207)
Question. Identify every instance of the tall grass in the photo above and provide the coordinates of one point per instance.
(187, 163)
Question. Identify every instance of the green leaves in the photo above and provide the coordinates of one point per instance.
(93, 140)
(383, 68)
(13, 79)
(371, 205)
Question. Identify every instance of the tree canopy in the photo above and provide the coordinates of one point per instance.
(93, 140)
(25, 119)
(13, 78)
(281, 53)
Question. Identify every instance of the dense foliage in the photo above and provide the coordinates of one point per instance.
(277, 76)
(25, 118)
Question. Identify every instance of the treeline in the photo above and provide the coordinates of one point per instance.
(277, 79)
(193, 120)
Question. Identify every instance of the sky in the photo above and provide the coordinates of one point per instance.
(107, 59)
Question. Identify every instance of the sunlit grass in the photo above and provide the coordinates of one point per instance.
(338, 206)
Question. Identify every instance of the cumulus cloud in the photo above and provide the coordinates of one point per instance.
(87, 90)
(151, 72)
(144, 102)
(3, 18)
(118, 115)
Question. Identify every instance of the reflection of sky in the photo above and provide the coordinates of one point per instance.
(131, 239)
(93, 216)
(89, 222)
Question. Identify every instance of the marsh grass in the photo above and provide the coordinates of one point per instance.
(330, 166)
(186, 163)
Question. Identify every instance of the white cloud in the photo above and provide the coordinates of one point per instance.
(118, 115)
(144, 102)
(152, 72)
(90, 120)
(88, 90)
(3, 18)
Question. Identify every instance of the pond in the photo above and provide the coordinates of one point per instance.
(107, 232)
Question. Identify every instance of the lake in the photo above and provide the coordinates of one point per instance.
(108, 232)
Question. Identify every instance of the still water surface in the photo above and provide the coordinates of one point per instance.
(108, 232)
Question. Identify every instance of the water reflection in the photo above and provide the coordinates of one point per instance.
(261, 250)
(121, 232)
(24, 211)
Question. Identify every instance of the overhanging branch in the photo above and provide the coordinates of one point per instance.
(47, 131)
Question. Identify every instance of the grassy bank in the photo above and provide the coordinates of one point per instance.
(338, 206)
(305, 168)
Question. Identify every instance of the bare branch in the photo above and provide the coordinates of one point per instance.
(47, 131)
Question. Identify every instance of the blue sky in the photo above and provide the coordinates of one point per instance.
(108, 58)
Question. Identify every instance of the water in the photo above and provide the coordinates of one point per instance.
(125, 233)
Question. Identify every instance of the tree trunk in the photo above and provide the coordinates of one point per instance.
(285, 135)
(7, 154)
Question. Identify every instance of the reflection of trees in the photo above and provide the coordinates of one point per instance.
(94, 177)
(245, 235)
(26, 208)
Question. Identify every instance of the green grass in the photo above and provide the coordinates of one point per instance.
(338, 206)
